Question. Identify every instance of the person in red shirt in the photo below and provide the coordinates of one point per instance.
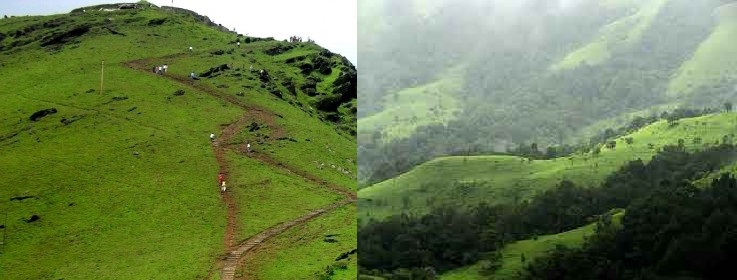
(221, 178)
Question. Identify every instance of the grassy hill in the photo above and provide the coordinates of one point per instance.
(410, 108)
(621, 33)
(110, 183)
(713, 60)
(511, 261)
(461, 180)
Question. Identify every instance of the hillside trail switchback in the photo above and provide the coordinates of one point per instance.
(229, 263)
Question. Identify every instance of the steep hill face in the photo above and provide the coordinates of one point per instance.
(109, 168)
(543, 72)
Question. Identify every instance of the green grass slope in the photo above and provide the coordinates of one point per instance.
(122, 178)
(512, 262)
(713, 60)
(410, 108)
(320, 244)
(623, 32)
(460, 180)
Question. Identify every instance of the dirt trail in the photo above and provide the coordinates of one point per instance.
(234, 257)
(231, 260)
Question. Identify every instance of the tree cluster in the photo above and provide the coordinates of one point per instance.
(450, 237)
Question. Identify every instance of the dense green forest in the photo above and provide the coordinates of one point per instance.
(675, 232)
(519, 85)
(667, 220)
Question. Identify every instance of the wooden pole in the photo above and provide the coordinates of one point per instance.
(102, 75)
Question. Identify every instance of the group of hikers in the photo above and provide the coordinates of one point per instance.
(221, 176)
(161, 69)
(297, 39)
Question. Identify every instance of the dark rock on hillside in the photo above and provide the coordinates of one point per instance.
(346, 85)
(127, 6)
(306, 68)
(347, 63)
(295, 59)
(287, 138)
(20, 198)
(328, 103)
(117, 98)
(332, 116)
(109, 6)
(114, 32)
(264, 76)
(40, 114)
(346, 254)
(33, 219)
(279, 49)
(179, 92)
(310, 86)
(217, 52)
(2, 36)
(322, 64)
(55, 23)
(156, 21)
(276, 92)
(58, 39)
(253, 127)
(289, 85)
(326, 53)
(216, 69)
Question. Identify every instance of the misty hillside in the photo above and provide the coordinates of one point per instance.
(443, 77)
(110, 170)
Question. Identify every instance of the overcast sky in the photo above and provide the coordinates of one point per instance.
(331, 23)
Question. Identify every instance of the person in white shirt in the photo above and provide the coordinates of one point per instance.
(222, 187)
(212, 136)
(165, 67)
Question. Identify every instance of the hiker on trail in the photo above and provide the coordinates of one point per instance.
(222, 187)
(248, 147)
(154, 69)
(191, 75)
(221, 179)
(190, 49)
(165, 67)
(212, 137)
(160, 69)
(238, 44)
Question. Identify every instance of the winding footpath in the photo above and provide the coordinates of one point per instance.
(228, 265)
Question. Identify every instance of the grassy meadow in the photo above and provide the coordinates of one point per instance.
(121, 179)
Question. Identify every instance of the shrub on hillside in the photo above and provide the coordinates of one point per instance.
(328, 103)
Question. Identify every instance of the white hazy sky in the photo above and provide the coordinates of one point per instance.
(331, 23)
